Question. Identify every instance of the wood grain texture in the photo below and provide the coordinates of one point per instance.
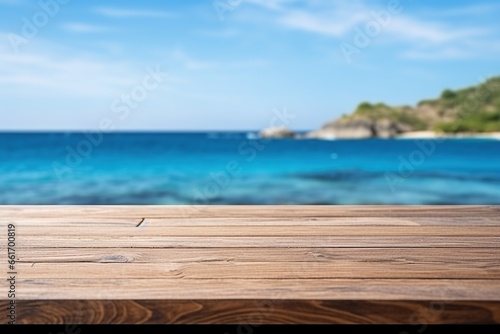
(223, 230)
(221, 264)
(252, 312)
(274, 270)
(304, 289)
(465, 256)
(137, 241)
(84, 221)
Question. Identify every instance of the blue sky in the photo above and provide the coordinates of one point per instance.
(230, 63)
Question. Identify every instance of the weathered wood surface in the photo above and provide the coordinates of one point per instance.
(255, 264)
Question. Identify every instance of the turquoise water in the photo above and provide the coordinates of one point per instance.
(233, 168)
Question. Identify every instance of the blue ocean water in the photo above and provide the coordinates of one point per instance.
(237, 168)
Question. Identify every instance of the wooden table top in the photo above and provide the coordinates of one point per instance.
(254, 264)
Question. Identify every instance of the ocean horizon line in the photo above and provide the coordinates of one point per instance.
(135, 131)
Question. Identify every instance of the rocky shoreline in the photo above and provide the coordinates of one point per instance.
(387, 131)
(359, 129)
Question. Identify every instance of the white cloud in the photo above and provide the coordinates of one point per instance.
(331, 25)
(39, 71)
(341, 19)
(415, 30)
(78, 27)
(270, 4)
(129, 13)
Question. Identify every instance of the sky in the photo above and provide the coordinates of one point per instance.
(232, 64)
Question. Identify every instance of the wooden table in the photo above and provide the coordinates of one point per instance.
(254, 264)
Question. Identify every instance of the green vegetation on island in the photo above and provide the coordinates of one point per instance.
(472, 109)
(375, 112)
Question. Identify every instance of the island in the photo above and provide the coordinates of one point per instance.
(468, 112)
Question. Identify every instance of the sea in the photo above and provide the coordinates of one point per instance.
(237, 168)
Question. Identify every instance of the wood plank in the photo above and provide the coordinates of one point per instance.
(214, 211)
(254, 312)
(132, 241)
(206, 221)
(260, 231)
(465, 256)
(298, 289)
(83, 221)
(276, 270)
